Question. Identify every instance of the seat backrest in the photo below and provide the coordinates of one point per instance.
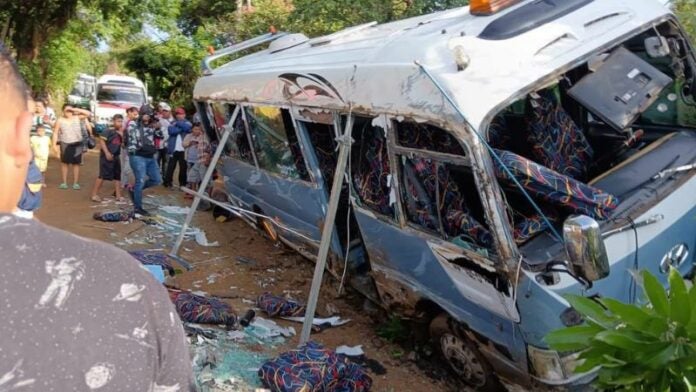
(555, 188)
(557, 141)
(457, 221)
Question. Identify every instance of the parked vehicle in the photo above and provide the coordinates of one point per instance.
(83, 91)
(498, 162)
(115, 94)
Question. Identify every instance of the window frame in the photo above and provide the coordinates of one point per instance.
(395, 151)
(310, 179)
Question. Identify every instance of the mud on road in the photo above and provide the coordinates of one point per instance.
(273, 268)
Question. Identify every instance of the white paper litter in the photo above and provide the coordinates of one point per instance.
(263, 328)
(354, 351)
(334, 321)
(175, 210)
(203, 241)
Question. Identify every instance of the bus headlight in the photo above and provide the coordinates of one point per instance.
(548, 365)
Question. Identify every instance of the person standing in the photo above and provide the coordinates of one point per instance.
(165, 120)
(197, 156)
(140, 143)
(68, 133)
(126, 171)
(87, 133)
(41, 147)
(109, 143)
(177, 131)
(78, 314)
(42, 117)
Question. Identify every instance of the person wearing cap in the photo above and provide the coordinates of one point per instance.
(177, 131)
(165, 120)
(140, 142)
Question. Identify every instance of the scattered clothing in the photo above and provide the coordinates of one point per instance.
(112, 327)
(313, 368)
(113, 216)
(197, 309)
(276, 306)
(153, 258)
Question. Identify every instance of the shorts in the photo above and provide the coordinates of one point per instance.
(195, 173)
(109, 170)
(71, 154)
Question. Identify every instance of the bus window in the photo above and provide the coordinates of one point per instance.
(275, 142)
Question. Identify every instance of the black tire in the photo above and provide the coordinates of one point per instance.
(462, 356)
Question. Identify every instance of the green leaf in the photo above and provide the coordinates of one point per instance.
(656, 294)
(572, 338)
(591, 309)
(630, 314)
(622, 339)
(662, 358)
(680, 308)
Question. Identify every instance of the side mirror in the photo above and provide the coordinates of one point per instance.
(587, 255)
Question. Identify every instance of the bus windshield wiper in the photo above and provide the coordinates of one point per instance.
(678, 169)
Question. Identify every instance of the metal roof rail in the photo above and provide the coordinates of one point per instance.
(230, 50)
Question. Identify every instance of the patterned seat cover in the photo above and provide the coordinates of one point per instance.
(557, 142)
(555, 188)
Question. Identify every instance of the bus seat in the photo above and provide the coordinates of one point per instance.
(555, 188)
(557, 142)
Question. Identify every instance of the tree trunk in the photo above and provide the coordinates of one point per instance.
(5, 30)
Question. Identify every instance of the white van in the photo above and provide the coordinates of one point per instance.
(503, 155)
(83, 91)
(115, 94)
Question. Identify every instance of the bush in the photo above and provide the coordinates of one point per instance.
(648, 347)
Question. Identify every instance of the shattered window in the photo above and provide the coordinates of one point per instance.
(238, 142)
(370, 169)
(438, 195)
(275, 142)
(423, 136)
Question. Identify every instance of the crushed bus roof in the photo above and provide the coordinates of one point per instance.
(373, 69)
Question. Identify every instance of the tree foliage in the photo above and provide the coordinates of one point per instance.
(638, 348)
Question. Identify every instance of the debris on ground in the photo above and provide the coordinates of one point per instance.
(227, 360)
(201, 309)
(150, 257)
(277, 306)
(313, 368)
(113, 216)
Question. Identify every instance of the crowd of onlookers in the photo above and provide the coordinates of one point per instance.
(136, 152)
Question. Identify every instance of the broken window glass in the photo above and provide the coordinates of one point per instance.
(238, 142)
(370, 169)
(423, 136)
(275, 141)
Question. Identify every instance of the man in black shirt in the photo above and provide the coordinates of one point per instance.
(109, 143)
(141, 152)
(77, 315)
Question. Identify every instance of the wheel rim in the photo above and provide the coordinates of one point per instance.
(463, 360)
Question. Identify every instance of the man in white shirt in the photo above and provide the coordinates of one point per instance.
(165, 120)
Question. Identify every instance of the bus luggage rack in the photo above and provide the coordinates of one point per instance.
(230, 50)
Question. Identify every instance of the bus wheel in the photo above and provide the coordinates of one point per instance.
(462, 356)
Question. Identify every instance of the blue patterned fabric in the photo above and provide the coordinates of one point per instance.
(421, 185)
(311, 368)
(371, 172)
(554, 188)
(557, 142)
(276, 306)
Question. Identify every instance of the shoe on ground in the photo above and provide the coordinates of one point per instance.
(76, 187)
(96, 199)
(63, 186)
(140, 211)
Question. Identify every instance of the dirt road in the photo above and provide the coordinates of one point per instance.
(273, 268)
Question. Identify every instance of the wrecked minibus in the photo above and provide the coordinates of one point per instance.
(502, 155)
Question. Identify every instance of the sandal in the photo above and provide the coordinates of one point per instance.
(96, 199)
(63, 186)
(76, 187)
(121, 199)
